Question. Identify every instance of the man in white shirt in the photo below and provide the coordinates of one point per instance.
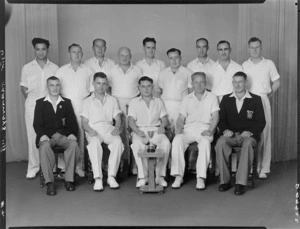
(99, 63)
(33, 86)
(197, 121)
(151, 66)
(223, 70)
(147, 113)
(264, 81)
(99, 111)
(175, 83)
(76, 84)
(202, 63)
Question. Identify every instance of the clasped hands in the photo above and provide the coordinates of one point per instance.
(244, 134)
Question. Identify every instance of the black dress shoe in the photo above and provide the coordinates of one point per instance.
(239, 189)
(224, 187)
(69, 186)
(51, 191)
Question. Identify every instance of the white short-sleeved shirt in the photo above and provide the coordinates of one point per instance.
(152, 70)
(75, 84)
(106, 66)
(222, 80)
(35, 78)
(196, 111)
(260, 75)
(147, 116)
(197, 66)
(124, 85)
(175, 86)
(97, 112)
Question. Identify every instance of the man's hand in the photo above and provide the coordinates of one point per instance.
(178, 131)
(246, 134)
(92, 133)
(228, 133)
(57, 136)
(206, 133)
(141, 134)
(161, 130)
(72, 137)
(44, 138)
(115, 131)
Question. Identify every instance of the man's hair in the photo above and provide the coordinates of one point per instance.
(99, 39)
(52, 78)
(145, 78)
(148, 39)
(242, 74)
(174, 50)
(254, 39)
(100, 75)
(74, 45)
(198, 74)
(128, 49)
(223, 42)
(38, 40)
(202, 39)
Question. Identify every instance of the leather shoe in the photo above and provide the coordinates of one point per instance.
(51, 191)
(69, 186)
(200, 184)
(177, 183)
(111, 181)
(224, 187)
(141, 182)
(239, 189)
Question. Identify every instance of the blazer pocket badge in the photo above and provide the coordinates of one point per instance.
(64, 121)
(250, 114)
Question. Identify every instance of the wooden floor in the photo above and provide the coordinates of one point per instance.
(271, 203)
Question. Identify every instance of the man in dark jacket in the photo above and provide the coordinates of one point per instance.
(55, 125)
(242, 120)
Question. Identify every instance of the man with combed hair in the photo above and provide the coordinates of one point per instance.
(151, 66)
(76, 82)
(147, 113)
(99, 111)
(175, 83)
(33, 86)
(202, 63)
(242, 120)
(99, 63)
(55, 125)
(197, 121)
(264, 81)
(223, 70)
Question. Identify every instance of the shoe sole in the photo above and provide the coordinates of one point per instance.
(98, 190)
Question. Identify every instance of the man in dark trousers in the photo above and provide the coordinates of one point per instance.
(55, 125)
(242, 120)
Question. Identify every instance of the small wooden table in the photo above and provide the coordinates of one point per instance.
(151, 187)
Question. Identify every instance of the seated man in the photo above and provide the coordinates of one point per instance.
(147, 113)
(242, 120)
(55, 125)
(197, 121)
(99, 111)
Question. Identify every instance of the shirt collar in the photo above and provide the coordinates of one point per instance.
(70, 65)
(93, 96)
(35, 62)
(207, 60)
(247, 95)
(131, 66)
(178, 70)
(47, 98)
(154, 60)
(262, 59)
(95, 60)
(195, 97)
(141, 98)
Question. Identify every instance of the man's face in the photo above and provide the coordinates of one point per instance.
(124, 57)
(146, 88)
(239, 84)
(199, 84)
(224, 51)
(99, 48)
(41, 51)
(53, 87)
(254, 49)
(75, 54)
(149, 49)
(175, 60)
(202, 48)
(100, 85)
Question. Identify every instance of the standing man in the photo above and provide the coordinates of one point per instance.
(223, 70)
(76, 82)
(175, 83)
(99, 111)
(197, 121)
(151, 66)
(147, 113)
(202, 63)
(264, 81)
(242, 120)
(33, 86)
(55, 124)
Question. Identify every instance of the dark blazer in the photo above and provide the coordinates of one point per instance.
(251, 117)
(47, 122)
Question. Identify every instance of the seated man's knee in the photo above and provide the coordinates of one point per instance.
(73, 143)
(249, 141)
(221, 141)
(94, 141)
(177, 139)
(44, 145)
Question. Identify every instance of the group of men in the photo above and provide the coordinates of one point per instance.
(187, 104)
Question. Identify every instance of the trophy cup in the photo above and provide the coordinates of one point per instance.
(151, 147)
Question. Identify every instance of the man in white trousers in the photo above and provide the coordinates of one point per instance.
(197, 121)
(263, 80)
(34, 86)
(147, 113)
(99, 111)
(76, 84)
